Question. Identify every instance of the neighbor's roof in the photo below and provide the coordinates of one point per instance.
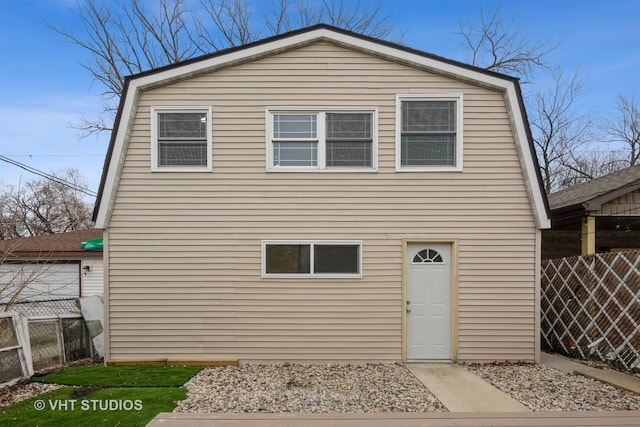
(133, 85)
(61, 245)
(620, 182)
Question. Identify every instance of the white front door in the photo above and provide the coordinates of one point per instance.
(428, 301)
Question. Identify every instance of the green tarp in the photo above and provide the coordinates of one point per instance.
(92, 244)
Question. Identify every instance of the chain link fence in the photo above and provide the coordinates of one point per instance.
(58, 341)
(10, 366)
(49, 308)
(57, 334)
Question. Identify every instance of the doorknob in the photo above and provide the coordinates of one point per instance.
(408, 310)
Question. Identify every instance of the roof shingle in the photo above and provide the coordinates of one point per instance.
(52, 245)
(582, 193)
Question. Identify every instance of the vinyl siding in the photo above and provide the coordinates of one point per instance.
(627, 204)
(184, 248)
(93, 280)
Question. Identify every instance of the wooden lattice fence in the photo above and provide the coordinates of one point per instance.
(591, 307)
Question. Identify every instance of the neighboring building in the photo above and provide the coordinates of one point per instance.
(602, 215)
(321, 196)
(51, 266)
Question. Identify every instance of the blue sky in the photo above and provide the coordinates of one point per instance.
(44, 90)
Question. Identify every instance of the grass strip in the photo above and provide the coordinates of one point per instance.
(91, 407)
(122, 376)
(102, 396)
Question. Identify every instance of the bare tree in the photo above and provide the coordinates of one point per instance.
(561, 135)
(585, 166)
(624, 128)
(364, 17)
(44, 207)
(499, 44)
(228, 23)
(128, 37)
(18, 282)
(22, 280)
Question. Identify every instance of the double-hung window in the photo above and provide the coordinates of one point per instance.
(312, 259)
(181, 139)
(429, 132)
(329, 140)
(295, 140)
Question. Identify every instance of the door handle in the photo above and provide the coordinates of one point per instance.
(408, 310)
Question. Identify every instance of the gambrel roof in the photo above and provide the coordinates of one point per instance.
(133, 86)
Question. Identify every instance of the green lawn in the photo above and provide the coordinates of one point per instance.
(102, 396)
(122, 376)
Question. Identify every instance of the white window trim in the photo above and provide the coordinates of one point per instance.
(311, 275)
(459, 136)
(154, 139)
(321, 137)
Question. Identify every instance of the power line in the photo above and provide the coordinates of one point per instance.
(48, 176)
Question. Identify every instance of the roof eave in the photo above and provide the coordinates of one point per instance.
(46, 256)
(595, 204)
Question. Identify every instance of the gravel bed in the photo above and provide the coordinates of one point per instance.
(541, 388)
(16, 393)
(369, 388)
(308, 388)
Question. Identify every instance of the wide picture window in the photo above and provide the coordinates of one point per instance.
(324, 140)
(312, 259)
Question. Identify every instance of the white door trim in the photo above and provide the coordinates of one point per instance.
(454, 291)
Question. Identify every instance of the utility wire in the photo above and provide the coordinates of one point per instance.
(48, 176)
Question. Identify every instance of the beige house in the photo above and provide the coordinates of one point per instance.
(321, 196)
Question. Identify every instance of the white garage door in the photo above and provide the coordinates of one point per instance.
(36, 282)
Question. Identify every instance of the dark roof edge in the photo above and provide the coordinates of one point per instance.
(315, 27)
(112, 141)
(574, 207)
(47, 256)
(532, 149)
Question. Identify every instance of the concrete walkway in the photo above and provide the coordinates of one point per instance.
(608, 376)
(461, 390)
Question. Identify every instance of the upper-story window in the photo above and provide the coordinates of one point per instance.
(339, 140)
(181, 139)
(429, 133)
